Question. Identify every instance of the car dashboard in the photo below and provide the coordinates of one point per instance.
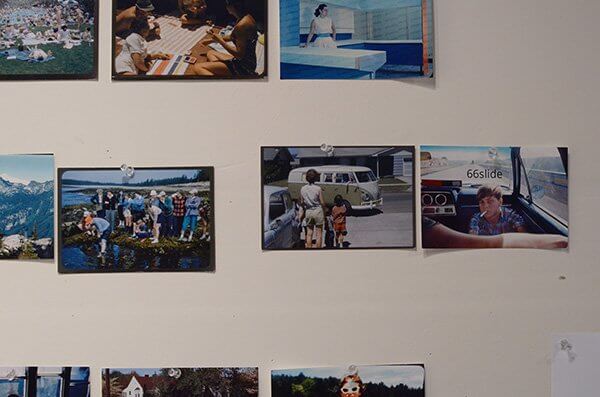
(438, 202)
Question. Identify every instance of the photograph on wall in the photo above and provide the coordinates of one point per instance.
(576, 365)
(150, 219)
(45, 381)
(341, 197)
(27, 206)
(48, 39)
(180, 382)
(356, 39)
(189, 39)
(494, 197)
(355, 381)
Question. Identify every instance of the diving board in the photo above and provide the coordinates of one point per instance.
(360, 60)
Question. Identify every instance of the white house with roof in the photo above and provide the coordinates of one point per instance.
(134, 389)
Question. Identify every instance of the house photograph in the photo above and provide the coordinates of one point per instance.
(180, 382)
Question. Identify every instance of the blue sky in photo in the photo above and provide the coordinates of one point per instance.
(139, 371)
(27, 167)
(391, 375)
(466, 152)
(116, 176)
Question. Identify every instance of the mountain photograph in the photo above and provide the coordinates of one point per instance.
(26, 206)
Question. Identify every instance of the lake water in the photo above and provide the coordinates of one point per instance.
(77, 258)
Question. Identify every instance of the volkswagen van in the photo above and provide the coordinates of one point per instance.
(357, 185)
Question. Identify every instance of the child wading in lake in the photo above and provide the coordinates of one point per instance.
(102, 227)
(339, 220)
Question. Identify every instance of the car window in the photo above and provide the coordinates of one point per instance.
(287, 200)
(365, 176)
(548, 184)
(473, 165)
(343, 178)
(276, 207)
(328, 177)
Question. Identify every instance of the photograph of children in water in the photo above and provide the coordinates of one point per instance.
(158, 219)
(338, 197)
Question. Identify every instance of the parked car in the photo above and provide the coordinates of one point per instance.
(281, 228)
(357, 185)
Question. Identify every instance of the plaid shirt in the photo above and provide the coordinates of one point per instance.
(509, 222)
(179, 206)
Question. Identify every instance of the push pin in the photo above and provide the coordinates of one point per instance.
(327, 149)
(566, 346)
(174, 373)
(352, 369)
(128, 171)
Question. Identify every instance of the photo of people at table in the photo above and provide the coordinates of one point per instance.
(218, 39)
(356, 39)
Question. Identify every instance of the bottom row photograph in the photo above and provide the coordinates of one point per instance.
(353, 381)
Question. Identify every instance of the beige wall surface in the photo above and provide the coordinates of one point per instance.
(509, 72)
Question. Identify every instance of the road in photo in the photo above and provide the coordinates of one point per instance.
(390, 225)
(461, 172)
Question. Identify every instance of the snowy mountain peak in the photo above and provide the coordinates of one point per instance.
(13, 179)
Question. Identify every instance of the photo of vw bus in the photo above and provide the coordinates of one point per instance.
(358, 185)
(338, 197)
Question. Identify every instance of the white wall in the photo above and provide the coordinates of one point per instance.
(509, 72)
(343, 18)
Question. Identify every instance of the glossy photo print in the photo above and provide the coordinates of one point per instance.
(27, 206)
(494, 197)
(180, 382)
(49, 39)
(147, 219)
(356, 39)
(44, 381)
(360, 381)
(189, 39)
(340, 197)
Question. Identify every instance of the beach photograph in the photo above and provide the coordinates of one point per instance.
(27, 206)
(45, 381)
(354, 381)
(189, 39)
(356, 39)
(155, 219)
(48, 39)
(180, 382)
(494, 197)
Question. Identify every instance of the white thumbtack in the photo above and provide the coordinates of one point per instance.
(174, 373)
(329, 149)
(128, 171)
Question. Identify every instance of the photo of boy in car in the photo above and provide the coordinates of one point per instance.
(492, 218)
(494, 197)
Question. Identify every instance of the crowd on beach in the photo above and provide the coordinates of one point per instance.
(24, 26)
(158, 216)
